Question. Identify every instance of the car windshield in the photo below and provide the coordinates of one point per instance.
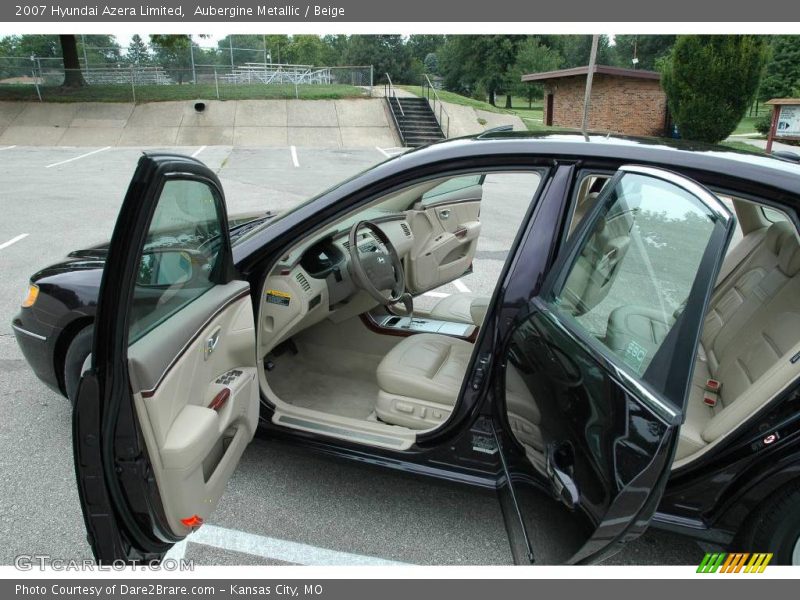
(281, 214)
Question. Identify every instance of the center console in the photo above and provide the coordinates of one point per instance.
(425, 325)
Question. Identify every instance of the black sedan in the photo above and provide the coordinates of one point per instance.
(637, 362)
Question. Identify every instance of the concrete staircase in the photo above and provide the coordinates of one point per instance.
(415, 120)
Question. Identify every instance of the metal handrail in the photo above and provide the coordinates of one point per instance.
(427, 88)
(386, 91)
(391, 90)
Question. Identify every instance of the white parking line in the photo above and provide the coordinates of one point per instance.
(435, 294)
(8, 148)
(13, 240)
(382, 151)
(461, 287)
(294, 157)
(197, 152)
(272, 548)
(69, 160)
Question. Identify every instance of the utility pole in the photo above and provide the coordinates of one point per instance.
(587, 98)
(230, 45)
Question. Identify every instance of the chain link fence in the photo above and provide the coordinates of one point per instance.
(45, 79)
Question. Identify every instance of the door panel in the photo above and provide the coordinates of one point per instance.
(446, 230)
(591, 400)
(170, 401)
(193, 446)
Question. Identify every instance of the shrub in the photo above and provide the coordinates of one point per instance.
(710, 82)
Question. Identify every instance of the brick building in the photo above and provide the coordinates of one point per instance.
(625, 101)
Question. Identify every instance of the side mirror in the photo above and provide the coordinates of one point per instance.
(165, 267)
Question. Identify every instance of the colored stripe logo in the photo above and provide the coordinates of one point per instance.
(735, 562)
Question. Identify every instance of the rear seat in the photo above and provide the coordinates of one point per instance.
(750, 333)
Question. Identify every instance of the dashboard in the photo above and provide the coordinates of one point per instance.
(313, 281)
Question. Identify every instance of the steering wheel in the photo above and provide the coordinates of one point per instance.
(379, 272)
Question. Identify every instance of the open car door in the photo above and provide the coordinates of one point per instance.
(594, 378)
(446, 225)
(171, 399)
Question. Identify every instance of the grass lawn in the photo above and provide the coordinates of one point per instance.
(459, 99)
(160, 93)
(746, 125)
(743, 146)
(532, 117)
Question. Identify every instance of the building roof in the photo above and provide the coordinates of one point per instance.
(598, 69)
(782, 101)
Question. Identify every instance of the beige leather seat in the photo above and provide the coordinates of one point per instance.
(420, 378)
(750, 334)
(461, 308)
(471, 308)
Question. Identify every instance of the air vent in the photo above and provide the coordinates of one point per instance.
(301, 279)
(346, 245)
(406, 230)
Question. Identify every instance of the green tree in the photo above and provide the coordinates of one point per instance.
(137, 51)
(172, 52)
(99, 50)
(431, 63)
(420, 46)
(647, 48)
(710, 81)
(575, 49)
(308, 50)
(480, 65)
(387, 54)
(533, 57)
(782, 74)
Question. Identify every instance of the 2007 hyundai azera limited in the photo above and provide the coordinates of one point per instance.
(637, 362)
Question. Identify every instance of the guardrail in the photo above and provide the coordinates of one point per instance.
(442, 116)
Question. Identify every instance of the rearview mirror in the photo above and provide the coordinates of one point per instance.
(164, 267)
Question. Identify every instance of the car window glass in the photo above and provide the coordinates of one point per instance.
(585, 198)
(180, 254)
(451, 185)
(635, 267)
(772, 215)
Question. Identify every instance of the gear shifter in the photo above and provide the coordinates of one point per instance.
(408, 303)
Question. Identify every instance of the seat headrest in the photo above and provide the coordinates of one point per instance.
(789, 255)
(776, 234)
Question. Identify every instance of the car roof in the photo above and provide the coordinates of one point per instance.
(679, 154)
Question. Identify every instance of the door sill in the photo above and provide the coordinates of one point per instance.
(370, 433)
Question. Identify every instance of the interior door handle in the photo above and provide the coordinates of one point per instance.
(559, 459)
(444, 214)
(211, 343)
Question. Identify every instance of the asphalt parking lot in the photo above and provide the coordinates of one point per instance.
(283, 505)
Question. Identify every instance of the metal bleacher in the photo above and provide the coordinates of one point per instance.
(267, 73)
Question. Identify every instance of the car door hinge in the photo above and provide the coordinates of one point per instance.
(481, 370)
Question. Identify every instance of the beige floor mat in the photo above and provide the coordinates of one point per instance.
(331, 380)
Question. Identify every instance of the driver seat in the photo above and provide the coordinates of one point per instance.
(420, 378)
